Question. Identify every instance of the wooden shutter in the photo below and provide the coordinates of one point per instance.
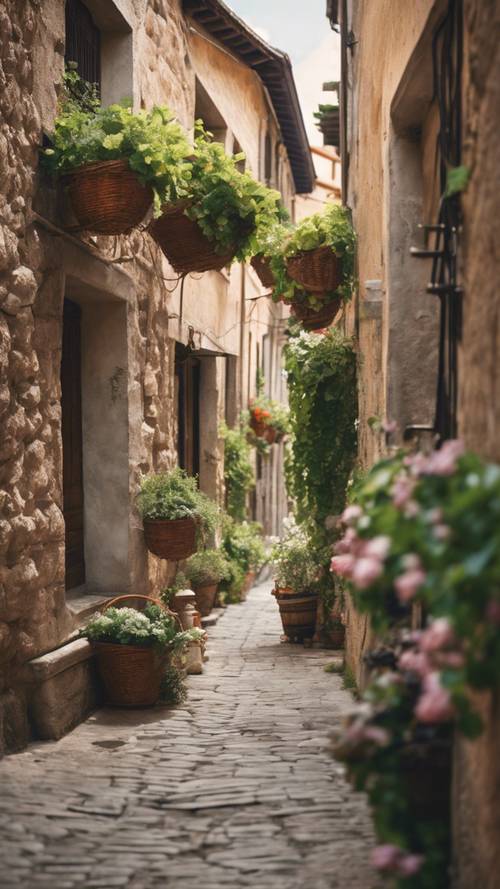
(83, 41)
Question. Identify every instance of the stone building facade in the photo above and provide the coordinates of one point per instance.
(393, 127)
(109, 366)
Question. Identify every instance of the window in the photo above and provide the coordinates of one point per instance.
(187, 378)
(83, 42)
(207, 111)
(268, 160)
(236, 150)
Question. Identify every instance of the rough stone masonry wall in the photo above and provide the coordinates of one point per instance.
(31, 523)
(477, 779)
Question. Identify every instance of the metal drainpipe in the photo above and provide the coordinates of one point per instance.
(343, 101)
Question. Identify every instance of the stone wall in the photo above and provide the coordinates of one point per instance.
(131, 317)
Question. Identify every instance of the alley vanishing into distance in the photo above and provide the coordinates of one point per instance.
(233, 789)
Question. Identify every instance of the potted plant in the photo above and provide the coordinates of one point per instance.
(296, 576)
(244, 547)
(176, 514)
(115, 162)
(218, 216)
(205, 570)
(314, 268)
(269, 242)
(132, 648)
(268, 418)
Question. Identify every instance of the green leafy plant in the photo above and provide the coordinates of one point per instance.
(173, 688)
(180, 582)
(271, 413)
(238, 470)
(294, 562)
(243, 544)
(153, 144)
(207, 567)
(128, 626)
(175, 495)
(231, 207)
(331, 228)
(321, 374)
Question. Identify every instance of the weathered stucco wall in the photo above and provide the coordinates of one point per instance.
(477, 772)
(131, 318)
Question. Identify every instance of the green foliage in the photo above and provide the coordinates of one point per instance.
(231, 208)
(335, 667)
(128, 626)
(238, 470)
(154, 145)
(231, 588)
(331, 228)
(321, 374)
(175, 495)
(295, 563)
(244, 545)
(324, 109)
(180, 582)
(173, 689)
(457, 180)
(207, 566)
(269, 240)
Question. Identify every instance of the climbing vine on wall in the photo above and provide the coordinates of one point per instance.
(321, 374)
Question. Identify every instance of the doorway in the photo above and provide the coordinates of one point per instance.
(72, 444)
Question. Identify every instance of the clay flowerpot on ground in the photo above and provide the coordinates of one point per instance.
(218, 212)
(313, 267)
(177, 517)
(115, 162)
(296, 576)
(134, 647)
(205, 570)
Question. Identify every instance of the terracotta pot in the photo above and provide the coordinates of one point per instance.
(270, 434)
(173, 539)
(261, 265)
(205, 598)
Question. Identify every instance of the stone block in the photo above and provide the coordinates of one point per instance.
(194, 659)
(66, 689)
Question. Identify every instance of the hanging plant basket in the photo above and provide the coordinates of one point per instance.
(172, 539)
(258, 426)
(107, 197)
(205, 598)
(317, 271)
(270, 434)
(184, 244)
(316, 319)
(298, 614)
(262, 265)
(131, 674)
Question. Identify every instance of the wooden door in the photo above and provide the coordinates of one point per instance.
(71, 422)
(187, 372)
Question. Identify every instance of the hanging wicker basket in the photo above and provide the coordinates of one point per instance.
(270, 434)
(318, 271)
(107, 197)
(131, 674)
(316, 319)
(298, 614)
(262, 265)
(258, 426)
(205, 598)
(172, 539)
(184, 244)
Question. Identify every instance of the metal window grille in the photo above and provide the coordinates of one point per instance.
(83, 41)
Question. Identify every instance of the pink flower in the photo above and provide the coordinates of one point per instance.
(442, 532)
(347, 542)
(411, 509)
(402, 490)
(435, 704)
(409, 865)
(351, 514)
(493, 611)
(444, 461)
(366, 570)
(378, 548)
(379, 736)
(414, 662)
(389, 426)
(342, 565)
(438, 636)
(435, 515)
(408, 584)
(386, 857)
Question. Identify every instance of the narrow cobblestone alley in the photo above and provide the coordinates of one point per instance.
(233, 789)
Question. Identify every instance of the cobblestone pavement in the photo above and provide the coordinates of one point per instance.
(234, 789)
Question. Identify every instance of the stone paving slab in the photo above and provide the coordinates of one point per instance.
(233, 789)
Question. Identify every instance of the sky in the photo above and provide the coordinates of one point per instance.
(302, 30)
